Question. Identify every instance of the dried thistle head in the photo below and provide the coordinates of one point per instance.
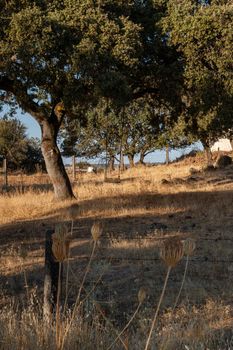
(189, 246)
(72, 212)
(171, 251)
(61, 242)
(142, 293)
(97, 230)
(61, 230)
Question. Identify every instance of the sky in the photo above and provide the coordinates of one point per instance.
(33, 130)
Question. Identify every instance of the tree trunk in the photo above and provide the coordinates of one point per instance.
(141, 159)
(51, 279)
(208, 155)
(53, 160)
(122, 162)
(111, 163)
(49, 126)
(131, 160)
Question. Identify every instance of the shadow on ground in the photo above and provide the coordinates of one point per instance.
(128, 249)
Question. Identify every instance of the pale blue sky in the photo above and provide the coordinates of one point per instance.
(33, 130)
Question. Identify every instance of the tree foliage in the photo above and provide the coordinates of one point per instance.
(76, 55)
(202, 32)
(13, 142)
(21, 152)
(133, 129)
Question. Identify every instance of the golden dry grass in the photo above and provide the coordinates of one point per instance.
(98, 198)
(137, 214)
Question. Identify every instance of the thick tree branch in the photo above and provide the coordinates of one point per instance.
(146, 153)
(23, 99)
(56, 116)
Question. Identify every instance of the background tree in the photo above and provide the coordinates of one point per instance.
(136, 128)
(173, 133)
(98, 137)
(21, 152)
(141, 127)
(13, 141)
(33, 160)
(202, 32)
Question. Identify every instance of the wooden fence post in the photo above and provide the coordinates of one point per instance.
(50, 279)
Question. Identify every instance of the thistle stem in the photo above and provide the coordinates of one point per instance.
(113, 328)
(158, 307)
(26, 285)
(67, 268)
(126, 326)
(58, 331)
(182, 284)
(86, 272)
(78, 297)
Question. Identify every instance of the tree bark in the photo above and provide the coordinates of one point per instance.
(208, 155)
(122, 162)
(53, 159)
(131, 160)
(111, 163)
(51, 279)
(141, 159)
(49, 126)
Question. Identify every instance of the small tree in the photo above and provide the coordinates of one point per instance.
(20, 151)
(100, 134)
(34, 160)
(140, 133)
(13, 142)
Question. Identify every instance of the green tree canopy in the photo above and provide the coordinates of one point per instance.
(138, 127)
(21, 152)
(13, 141)
(78, 51)
(202, 32)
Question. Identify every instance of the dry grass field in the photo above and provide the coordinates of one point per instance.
(149, 205)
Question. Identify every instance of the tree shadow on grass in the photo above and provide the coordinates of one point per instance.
(21, 189)
(126, 266)
(187, 201)
(130, 246)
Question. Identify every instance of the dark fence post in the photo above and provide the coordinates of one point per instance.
(51, 278)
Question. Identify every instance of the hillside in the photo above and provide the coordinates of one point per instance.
(149, 205)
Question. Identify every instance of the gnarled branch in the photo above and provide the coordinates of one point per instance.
(23, 99)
